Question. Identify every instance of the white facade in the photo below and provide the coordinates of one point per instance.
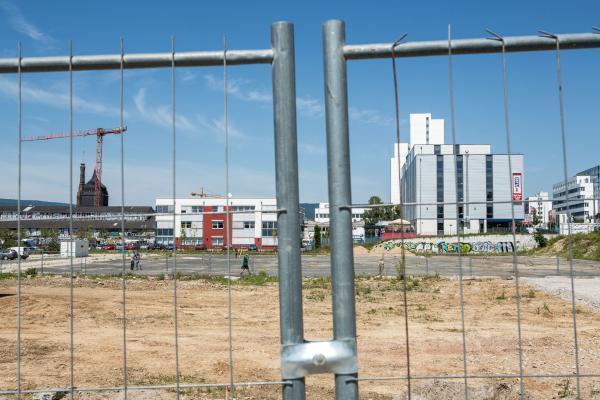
(540, 204)
(431, 175)
(202, 222)
(322, 214)
(423, 130)
(581, 192)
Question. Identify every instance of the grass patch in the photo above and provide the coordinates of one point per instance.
(260, 279)
(322, 282)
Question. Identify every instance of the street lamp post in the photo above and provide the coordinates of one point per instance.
(420, 191)
(467, 190)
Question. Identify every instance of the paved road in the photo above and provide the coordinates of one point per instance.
(312, 266)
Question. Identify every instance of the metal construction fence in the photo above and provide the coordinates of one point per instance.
(300, 358)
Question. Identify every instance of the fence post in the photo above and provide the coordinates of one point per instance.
(557, 264)
(340, 199)
(470, 267)
(288, 199)
(427, 264)
(42, 265)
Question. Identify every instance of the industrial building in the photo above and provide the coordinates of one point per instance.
(139, 221)
(86, 193)
(432, 171)
(540, 204)
(582, 189)
(202, 222)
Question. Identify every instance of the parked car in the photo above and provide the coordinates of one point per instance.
(108, 247)
(7, 254)
(21, 251)
(132, 246)
(200, 247)
(252, 247)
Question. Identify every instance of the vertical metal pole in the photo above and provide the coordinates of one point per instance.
(42, 266)
(338, 168)
(557, 265)
(426, 265)
(470, 266)
(210, 264)
(19, 176)
(288, 199)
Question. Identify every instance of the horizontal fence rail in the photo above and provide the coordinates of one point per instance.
(136, 61)
(573, 41)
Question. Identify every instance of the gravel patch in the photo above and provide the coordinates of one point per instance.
(587, 290)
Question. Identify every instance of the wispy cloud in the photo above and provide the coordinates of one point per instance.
(22, 25)
(54, 98)
(194, 124)
(368, 116)
(241, 90)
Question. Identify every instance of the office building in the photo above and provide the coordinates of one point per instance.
(201, 222)
(432, 171)
(583, 191)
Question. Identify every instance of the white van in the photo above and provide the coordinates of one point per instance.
(21, 251)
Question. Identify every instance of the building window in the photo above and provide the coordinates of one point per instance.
(243, 208)
(459, 178)
(248, 224)
(440, 228)
(196, 209)
(489, 212)
(437, 149)
(164, 232)
(489, 179)
(217, 224)
(269, 228)
(440, 186)
(440, 211)
(164, 209)
(186, 224)
(217, 240)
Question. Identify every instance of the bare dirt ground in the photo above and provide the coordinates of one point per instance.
(434, 321)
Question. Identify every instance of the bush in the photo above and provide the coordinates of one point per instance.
(31, 271)
(53, 246)
(540, 239)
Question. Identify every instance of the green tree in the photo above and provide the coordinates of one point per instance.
(381, 213)
(317, 236)
(536, 217)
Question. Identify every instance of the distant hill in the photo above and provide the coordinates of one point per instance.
(13, 202)
(309, 210)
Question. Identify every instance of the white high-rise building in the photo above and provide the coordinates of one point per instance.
(432, 172)
(423, 130)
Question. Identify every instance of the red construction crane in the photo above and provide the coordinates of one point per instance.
(99, 133)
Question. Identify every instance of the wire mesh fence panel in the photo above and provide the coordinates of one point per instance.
(444, 307)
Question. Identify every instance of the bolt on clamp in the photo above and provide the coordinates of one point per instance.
(333, 356)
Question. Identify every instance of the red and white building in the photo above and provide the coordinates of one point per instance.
(202, 222)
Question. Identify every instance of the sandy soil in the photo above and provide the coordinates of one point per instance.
(435, 337)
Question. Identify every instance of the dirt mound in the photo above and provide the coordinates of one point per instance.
(381, 249)
(360, 251)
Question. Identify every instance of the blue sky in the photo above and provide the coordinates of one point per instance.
(44, 28)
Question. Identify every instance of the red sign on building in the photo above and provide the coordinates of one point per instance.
(517, 186)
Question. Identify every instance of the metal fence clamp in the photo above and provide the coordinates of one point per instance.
(309, 358)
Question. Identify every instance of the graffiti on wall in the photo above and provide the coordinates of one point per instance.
(443, 247)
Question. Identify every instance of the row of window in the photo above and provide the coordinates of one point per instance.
(322, 215)
(269, 228)
(200, 209)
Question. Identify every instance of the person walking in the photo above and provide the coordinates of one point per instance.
(132, 263)
(245, 265)
(381, 266)
(136, 259)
